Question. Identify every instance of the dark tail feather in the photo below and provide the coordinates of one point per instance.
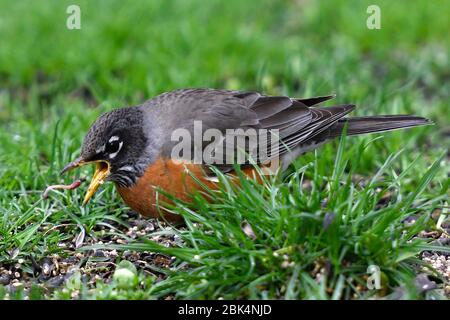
(315, 100)
(361, 125)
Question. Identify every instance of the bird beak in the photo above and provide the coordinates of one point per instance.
(102, 170)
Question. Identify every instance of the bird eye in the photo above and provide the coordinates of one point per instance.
(113, 146)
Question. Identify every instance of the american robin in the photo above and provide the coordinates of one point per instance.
(134, 146)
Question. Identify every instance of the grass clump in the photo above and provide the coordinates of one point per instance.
(311, 236)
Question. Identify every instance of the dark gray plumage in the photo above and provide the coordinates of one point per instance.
(145, 130)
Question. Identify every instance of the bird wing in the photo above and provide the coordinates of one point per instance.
(293, 121)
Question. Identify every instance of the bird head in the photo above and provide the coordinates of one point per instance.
(114, 143)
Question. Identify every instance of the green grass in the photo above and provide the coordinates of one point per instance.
(55, 82)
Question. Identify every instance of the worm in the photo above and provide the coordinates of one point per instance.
(71, 186)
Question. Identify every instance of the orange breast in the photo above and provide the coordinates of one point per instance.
(171, 177)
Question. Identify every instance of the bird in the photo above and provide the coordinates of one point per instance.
(133, 146)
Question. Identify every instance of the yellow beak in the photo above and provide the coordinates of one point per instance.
(102, 170)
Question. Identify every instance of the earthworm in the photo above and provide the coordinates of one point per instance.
(71, 186)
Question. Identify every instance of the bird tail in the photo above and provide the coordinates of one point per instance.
(361, 125)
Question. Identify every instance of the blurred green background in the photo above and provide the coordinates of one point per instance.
(133, 50)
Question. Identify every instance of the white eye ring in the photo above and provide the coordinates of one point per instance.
(113, 155)
(100, 150)
(113, 138)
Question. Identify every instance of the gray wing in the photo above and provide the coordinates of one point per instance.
(295, 121)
